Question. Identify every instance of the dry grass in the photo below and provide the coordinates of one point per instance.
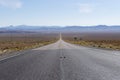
(21, 42)
(102, 43)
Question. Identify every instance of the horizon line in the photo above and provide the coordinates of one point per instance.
(59, 25)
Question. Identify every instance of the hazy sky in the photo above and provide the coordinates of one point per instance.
(59, 12)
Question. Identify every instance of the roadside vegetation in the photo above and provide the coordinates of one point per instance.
(17, 42)
(105, 44)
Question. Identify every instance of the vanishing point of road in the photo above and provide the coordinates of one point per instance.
(61, 61)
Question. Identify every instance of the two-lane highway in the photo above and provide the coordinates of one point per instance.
(62, 61)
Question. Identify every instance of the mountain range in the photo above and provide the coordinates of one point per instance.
(23, 28)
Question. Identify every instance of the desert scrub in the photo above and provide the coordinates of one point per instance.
(108, 44)
(20, 42)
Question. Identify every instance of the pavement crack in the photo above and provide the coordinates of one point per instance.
(61, 62)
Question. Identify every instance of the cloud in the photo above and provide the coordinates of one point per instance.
(85, 8)
(11, 3)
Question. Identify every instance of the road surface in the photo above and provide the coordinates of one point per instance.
(61, 61)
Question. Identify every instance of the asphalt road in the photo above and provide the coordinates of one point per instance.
(61, 61)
